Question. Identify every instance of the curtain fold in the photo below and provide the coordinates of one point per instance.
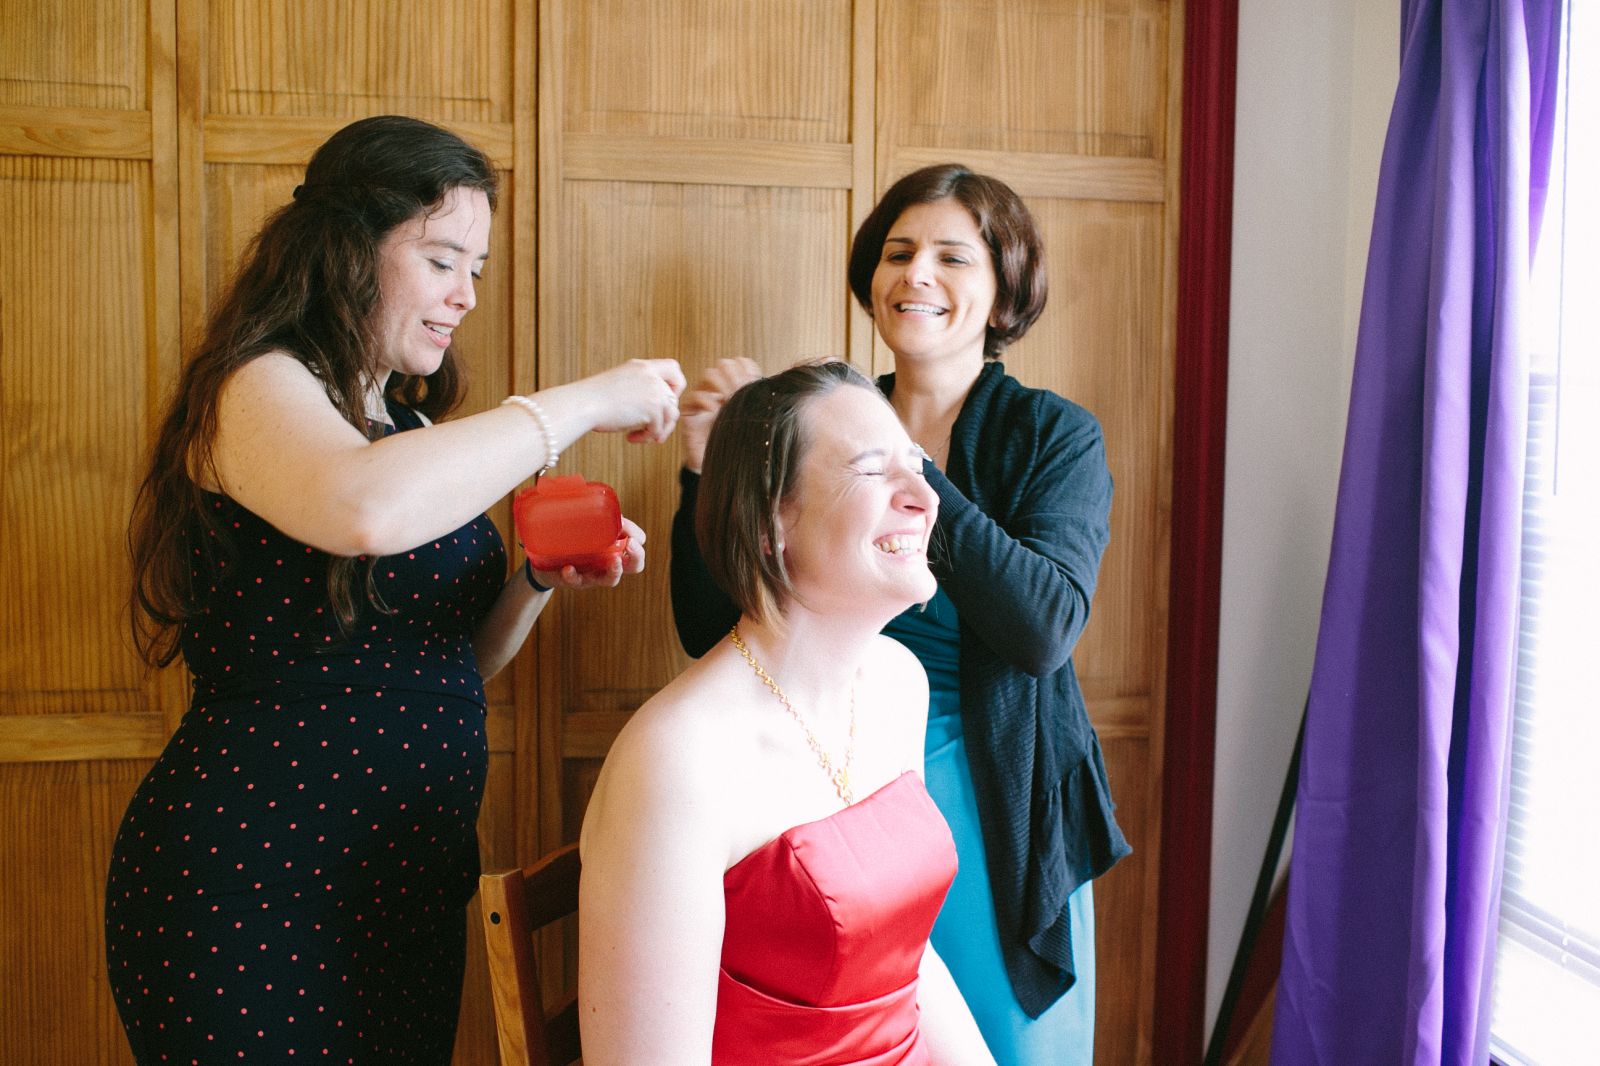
(1394, 886)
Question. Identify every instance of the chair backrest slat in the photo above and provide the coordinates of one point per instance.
(516, 904)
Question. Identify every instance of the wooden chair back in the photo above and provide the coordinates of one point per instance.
(516, 905)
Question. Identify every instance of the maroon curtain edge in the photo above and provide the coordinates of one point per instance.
(1205, 235)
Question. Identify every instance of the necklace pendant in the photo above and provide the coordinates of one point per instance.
(841, 781)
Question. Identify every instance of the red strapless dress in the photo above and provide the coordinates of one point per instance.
(826, 927)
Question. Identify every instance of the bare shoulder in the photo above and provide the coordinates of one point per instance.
(277, 373)
(899, 672)
(274, 423)
(277, 393)
(668, 766)
(900, 689)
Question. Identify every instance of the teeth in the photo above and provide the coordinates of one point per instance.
(926, 309)
(443, 331)
(898, 545)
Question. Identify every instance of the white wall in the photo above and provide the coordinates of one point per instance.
(1316, 82)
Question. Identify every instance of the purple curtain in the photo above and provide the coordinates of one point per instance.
(1394, 886)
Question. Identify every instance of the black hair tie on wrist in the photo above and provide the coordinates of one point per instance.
(527, 572)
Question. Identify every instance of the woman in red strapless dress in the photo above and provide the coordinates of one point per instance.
(761, 862)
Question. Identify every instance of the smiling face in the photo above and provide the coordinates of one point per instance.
(427, 267)
(856, 527)
(934, 287)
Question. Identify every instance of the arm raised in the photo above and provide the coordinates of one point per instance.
(284, 451)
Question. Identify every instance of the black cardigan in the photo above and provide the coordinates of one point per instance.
(1023, 521)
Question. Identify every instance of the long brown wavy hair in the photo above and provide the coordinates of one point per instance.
(308, 286)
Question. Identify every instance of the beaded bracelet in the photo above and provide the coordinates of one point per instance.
(527, 572)
(530, 405)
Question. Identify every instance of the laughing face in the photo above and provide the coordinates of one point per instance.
(427, 270)
(856, 529)
(934, 289)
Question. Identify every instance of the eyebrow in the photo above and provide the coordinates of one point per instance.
(947, 242)
(434, 242)
(870, 453)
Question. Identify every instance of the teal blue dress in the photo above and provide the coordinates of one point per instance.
(966, 935)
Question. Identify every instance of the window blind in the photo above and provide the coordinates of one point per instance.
(1547, 973)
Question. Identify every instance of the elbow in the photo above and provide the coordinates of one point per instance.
(362, 533)
(360, 528)
(1050, 645)
(1042, 658)
(375, 539)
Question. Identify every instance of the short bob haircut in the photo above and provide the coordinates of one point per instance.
(1015, 246)
(752, 463)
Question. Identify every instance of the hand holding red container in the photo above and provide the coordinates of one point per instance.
(573, 528)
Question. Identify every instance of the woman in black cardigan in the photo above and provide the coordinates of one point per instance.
(949, 265)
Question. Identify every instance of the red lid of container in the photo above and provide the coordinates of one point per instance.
(568, 521)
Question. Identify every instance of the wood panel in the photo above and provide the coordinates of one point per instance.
(360, 57)
(56, 825)
(1080, 77)
(1122, 904)
(723, 69)
(1069, 101)
(74, 333)
(75, 54)
(1099, 343)
(683, 178)
(695, 273)
(140, 147)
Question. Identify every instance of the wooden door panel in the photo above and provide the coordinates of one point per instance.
(701, 166)
(722, 69)
(1068, 77)
(238, 200)
(75, 54)
(74, 381)
(1125, 904)
(1068, 101)
(1099, 343)
(57, 820)
(692, 273)
(314, 58)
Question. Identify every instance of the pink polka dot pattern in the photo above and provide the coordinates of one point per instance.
(290, 880)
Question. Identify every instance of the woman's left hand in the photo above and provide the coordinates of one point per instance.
(631, 562)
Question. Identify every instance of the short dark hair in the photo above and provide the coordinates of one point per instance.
(1007, 226)
(751, 464)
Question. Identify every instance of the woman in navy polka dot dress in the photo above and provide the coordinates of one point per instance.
(290, 880)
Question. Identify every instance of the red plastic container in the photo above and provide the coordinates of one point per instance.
(568, 521)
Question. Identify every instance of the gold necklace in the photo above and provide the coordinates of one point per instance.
(839, 777)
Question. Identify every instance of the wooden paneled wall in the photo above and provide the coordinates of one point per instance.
(682, 179)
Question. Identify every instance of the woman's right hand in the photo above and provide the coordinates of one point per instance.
(640, 397)
(701, 404)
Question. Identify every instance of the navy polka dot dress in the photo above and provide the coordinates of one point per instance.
(289, 883)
